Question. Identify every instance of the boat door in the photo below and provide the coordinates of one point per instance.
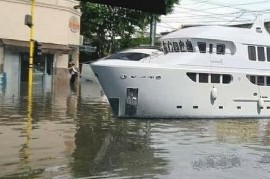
(131, 101)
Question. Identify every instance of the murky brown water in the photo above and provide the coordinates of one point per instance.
(74, 135)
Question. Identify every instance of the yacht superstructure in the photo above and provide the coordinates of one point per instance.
(206, 72)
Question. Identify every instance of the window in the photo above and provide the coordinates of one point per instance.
(192, 76)
(176, 47)
(221, 49)
(210, 48)
(189, 46)
(252, 53)
(165, 48)
(268, 80)
(252, 79)
(202, 47)
(260, 80)
(203, 77)
(215, 78)
(133, 56)
(226, 79)
(170, 47)
(268, 53)
(182, 46)
(261, 55)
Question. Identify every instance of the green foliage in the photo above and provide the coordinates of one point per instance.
(112, 28)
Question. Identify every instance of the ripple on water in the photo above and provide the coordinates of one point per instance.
(218, 161)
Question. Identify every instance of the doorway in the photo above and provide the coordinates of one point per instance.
(42, 70)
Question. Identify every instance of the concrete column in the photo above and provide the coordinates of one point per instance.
(1, 59)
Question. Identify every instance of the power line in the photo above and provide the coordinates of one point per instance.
(232, 6)
(214, 15)
(200, 16)
(208, 16)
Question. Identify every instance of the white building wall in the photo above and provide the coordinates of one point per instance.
(51, 21)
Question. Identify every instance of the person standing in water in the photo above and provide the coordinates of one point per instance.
(74, 73)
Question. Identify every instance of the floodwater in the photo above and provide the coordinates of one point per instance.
(73, 135)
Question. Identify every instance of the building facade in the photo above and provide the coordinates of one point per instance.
(56, 27)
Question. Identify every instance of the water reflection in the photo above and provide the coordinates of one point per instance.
(72, 134)
(238, 131)
(109, 147)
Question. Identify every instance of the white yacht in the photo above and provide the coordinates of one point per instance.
(206, 72)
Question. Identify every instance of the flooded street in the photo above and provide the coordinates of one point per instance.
(76, 136)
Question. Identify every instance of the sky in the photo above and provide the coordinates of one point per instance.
(218, 12)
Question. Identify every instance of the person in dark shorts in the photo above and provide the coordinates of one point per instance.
(74, 73)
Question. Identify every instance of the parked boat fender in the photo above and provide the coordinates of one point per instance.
(260, 102)
(214, 93)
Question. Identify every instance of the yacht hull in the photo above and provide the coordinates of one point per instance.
(141, 91)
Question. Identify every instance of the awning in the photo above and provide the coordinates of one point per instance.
(23, 46)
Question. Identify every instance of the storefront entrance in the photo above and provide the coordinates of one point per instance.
(42, 70)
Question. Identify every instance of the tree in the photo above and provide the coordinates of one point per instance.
(104, 25)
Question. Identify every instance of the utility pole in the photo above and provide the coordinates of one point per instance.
(153, 30)
(31, 48)
(30, 24)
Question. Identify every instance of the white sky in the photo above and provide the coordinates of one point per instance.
(223, 12)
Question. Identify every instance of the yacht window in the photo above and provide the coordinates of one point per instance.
(226, 79)
(260, 80)
(170, 47)
(268, 80)
(203, 77)
(182, 46)
(192, 76)
(210, 48)
(176, 47)
(202, 47)
(189, 46)
(221, 49)
(268, 53)
(252, 79)
(165, 48)
(252, 53)
(215, 78)
(261, 55)
(133, 56)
